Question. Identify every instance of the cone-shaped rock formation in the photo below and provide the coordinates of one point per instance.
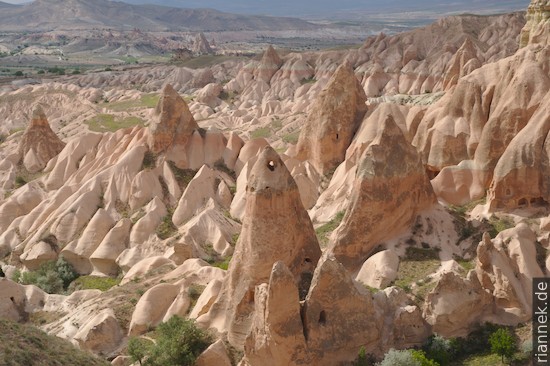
(270, 63)
(276, 227)
(335, 117)
(175, 123)
(39, 143)
(390, 188)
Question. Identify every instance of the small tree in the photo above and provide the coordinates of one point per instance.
(420, 356)
(179, 343)
(503, 343)
(399, 358)
(138, 348)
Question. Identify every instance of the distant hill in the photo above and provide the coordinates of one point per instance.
(330, 8)
(6, 5)
(86, 14)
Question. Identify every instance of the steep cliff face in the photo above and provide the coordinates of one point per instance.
(538, 24)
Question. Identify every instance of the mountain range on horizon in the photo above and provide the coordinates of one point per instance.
(328, 8)
(87, 14)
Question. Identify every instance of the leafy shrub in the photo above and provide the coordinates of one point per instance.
(364, 359)
(420, 356)
(18, 73)
(53, 277)
(399, 358)
(138, 348)
(503, 343)
(179, 342)
(439, 349)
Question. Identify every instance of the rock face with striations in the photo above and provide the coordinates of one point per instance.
(335, 320)
(269, 65)
(335, 117)
(175, 123)
(390, 188)
(276, 227)
(201, 45)
(538, 23)
(39, 143)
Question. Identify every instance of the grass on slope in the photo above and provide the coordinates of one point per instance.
(323, 232)
(109, 123)
(146, 101)
(415, 268)
(24, 345)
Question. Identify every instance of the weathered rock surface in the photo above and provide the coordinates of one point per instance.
(268, 66)
(391, 187)
(39, 143)
(456, 305)
(337, 317)
(175, 123)
(334, 118)
(536, 31)
(276, 227)
(379, 270)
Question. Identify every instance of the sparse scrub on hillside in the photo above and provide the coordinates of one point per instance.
(111, 123)
(415, 268)
(146, 101)
(166, 229)
(323, 232)
(94, 283)
(149, 160)
(499, 224)
(262, 132)
(177, 342)
(292, 138)
(183, 176)
(24, 345)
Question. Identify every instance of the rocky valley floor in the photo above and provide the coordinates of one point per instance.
(303, 208)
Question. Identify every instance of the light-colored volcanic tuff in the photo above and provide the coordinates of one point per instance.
(299, 206)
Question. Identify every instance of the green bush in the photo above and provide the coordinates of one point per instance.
(399, 358)
(179, 342)
(18, 73)
(420, 356)
(138, 348)
(503, 343)
(53, 277)
(439, 349)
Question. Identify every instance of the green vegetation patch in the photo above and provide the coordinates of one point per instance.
(178, 342)
(94, 283)
(323, 232)
(183, 176)
(262, 132)
(166, 229)
(499, 224)
(23, 345)
(111, 123)
(292, 138)
(146, 101)
(415, 268)
(53, 277)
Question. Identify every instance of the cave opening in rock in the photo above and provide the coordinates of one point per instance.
(323, 318)
(271, 166)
